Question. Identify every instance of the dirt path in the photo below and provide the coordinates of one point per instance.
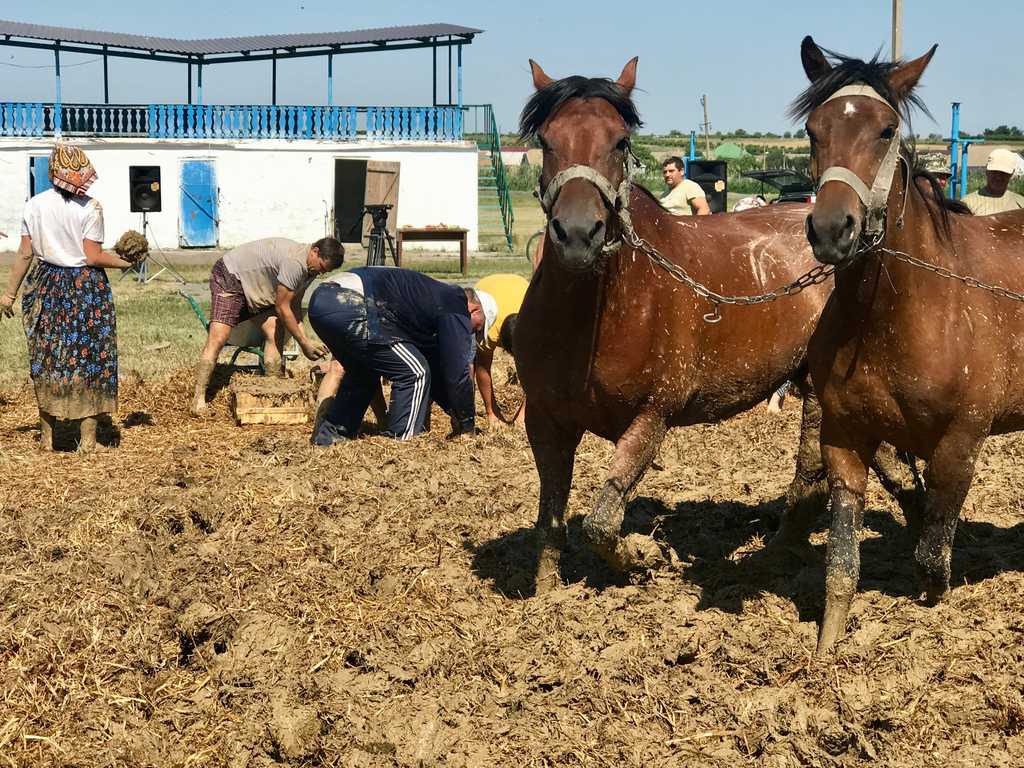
(211, 595)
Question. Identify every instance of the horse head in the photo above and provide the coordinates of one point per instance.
(854, 112)
(583, 126)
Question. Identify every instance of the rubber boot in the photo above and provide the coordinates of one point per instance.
(87, 435)
(204, 370)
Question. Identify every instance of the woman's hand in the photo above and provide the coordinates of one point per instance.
(7, 305)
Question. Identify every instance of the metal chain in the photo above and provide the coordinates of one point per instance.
(818, 274)
(973, 282)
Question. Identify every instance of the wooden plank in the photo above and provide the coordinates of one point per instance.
(382, 187)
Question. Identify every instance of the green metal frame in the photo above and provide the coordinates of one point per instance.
(258, 351)
(492, 142)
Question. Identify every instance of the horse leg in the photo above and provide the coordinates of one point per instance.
(897, 472)
(634, 452)
(554, 452)
(807, 493)
(947, 478)
(847, 464)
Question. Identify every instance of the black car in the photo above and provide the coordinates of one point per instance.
(793, 186)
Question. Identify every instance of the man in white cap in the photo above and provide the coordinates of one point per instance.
(994, 197)
(501, 296)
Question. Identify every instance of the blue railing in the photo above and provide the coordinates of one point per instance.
(217, 121)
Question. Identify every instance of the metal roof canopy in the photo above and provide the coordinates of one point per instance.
(226, 50)
(234, 49)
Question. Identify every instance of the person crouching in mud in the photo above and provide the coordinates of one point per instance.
(417, 332)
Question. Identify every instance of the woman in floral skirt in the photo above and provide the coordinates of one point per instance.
(67, 308)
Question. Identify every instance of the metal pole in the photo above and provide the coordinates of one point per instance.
(273, 78)
(897, 29)
(693, 145)
(199, 76)
(449, 69)
(963, 169)
(954, 154)
(434, 92)
(189, 79)
(330, 79)
(707, 141)
(459, 60)
(106, 82)
(57, 99)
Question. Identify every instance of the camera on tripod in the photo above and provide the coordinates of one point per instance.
(379, 235)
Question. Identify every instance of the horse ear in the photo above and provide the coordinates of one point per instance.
(627, 79)
(540, 78)
(905, 77)
(814, 61)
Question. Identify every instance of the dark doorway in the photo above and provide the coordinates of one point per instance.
(349, 194)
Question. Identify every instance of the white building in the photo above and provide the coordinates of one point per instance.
(246, 189)
(208, 176)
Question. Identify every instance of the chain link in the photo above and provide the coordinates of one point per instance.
(973, 282)
(818, 274)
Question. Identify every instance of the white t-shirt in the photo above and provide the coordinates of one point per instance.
(349, 280)
(58, 226)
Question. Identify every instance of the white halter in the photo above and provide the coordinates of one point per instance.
(875, 198)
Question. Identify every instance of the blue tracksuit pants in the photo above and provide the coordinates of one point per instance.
(338, 316)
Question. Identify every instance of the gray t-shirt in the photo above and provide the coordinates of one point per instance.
(262, 265)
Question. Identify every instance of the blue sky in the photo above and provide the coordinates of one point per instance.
(743, 55)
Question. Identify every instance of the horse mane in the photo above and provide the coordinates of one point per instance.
(847, 70)
(548, 99)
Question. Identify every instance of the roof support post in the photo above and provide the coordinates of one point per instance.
(459, 63)
(449, 69)
(57, 97)
(190, 79)
(273, 78)
(434, 52)
(330, 79)
(106, 80)
(199, 77)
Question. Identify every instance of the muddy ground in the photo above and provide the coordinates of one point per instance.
(213, 595)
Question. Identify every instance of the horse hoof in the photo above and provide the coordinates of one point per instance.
(833, 623)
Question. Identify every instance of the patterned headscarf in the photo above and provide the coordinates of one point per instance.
(70, 169)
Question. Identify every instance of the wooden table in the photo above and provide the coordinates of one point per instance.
(431, 235)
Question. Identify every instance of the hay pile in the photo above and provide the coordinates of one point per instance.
(132, 246)
(235, 597)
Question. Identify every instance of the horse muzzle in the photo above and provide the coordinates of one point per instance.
(577, 241)
(833, 235)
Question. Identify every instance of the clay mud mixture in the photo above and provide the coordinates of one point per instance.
(238, 598)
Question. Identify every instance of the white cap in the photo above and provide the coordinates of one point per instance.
(490, 307)
(1002, 160)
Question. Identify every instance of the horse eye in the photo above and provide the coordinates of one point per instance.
(888, 133)
(621, 146)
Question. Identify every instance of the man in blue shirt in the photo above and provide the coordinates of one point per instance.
(417, 332)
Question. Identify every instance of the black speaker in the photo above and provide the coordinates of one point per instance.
(144, 188)
(713, 177)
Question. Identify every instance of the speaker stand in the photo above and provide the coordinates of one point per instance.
(142, 269)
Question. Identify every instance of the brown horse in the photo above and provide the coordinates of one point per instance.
(608, 342)
(905, 354)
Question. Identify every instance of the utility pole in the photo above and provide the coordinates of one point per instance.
(707, 143)
(897, 29)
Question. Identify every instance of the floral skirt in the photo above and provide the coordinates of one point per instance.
(68, 313)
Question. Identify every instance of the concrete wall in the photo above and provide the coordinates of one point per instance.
(266, 187)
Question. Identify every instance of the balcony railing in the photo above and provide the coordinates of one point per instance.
(217, 121)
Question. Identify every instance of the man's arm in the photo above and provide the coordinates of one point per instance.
(700, 206)
(22, 261)
(284, 301)
(482, 369)
(454, 336)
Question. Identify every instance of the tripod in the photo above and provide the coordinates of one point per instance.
(142, 270)
(379, 237)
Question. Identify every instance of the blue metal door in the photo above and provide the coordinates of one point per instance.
(197, 227)
(39, 175)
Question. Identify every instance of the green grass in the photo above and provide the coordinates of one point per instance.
(158, 333)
